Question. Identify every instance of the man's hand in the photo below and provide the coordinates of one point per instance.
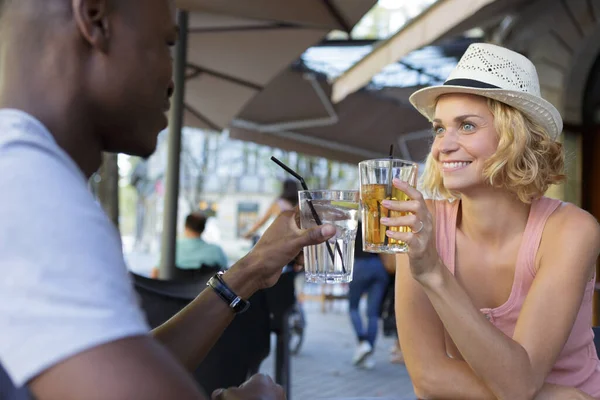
(259, 387)
(279, 245)
(299, 262)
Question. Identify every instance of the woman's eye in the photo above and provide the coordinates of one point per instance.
(467, 126)
(437, 130)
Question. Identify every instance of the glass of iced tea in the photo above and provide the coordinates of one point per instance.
(375, 186)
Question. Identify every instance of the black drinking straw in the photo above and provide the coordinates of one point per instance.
(389, 188)
(312, 209)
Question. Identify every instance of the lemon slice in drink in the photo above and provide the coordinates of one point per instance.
(345, 204)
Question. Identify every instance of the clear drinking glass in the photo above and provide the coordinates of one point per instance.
(332, 261)
(376, 185)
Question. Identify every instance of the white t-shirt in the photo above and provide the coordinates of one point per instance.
(64, 286)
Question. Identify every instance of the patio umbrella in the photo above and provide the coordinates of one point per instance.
(294, 113)
(235, 48)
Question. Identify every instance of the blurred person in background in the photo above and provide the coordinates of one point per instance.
(370, 277)
(192, 252)
(287, 200)
(388, 311)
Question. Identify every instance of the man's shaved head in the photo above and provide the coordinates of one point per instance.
(97, 73)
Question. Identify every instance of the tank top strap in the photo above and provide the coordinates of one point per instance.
(541, 209)
(445, 230)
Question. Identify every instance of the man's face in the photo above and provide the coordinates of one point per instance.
(132, 81)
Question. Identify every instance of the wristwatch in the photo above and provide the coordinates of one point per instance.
(235, 302)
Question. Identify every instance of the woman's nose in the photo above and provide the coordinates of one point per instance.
(448, 143)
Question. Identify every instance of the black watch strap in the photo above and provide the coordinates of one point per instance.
(235, 302)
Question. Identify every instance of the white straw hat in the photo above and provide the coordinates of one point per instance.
(497, 73)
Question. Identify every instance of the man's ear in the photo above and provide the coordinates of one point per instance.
(91, 17)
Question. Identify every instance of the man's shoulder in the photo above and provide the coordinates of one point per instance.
(40, 169)
(25, 144)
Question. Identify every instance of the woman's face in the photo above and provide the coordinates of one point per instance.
(465, 138)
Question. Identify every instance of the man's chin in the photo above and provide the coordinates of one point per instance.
(143, 150)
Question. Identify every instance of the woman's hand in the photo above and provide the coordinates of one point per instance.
(422, 251)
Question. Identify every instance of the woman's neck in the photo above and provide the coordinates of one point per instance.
(492, 216)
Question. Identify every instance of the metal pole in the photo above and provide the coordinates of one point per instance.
(169, 233)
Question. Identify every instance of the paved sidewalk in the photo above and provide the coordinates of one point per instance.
(324, 369)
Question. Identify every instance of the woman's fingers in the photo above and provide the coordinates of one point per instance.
(406, 237)
(410, 191)
(406, 220)
(406, 206)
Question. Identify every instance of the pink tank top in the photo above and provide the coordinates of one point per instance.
(577, 364)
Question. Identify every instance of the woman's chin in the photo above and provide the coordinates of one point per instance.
(457, 186)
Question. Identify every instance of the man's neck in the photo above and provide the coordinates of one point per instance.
(188, 233)
(53, 97)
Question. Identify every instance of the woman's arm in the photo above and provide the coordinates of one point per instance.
(273, 210)
(517, 367)
(434, 375)
(512, 368)
(389, 262)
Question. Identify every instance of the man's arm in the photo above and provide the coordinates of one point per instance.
(66, 292)
(132, 368)
(140, 368)
(192, 332)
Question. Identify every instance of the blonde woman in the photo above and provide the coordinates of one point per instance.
(494, 297)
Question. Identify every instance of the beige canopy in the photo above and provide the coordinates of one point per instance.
(235, 48)
(294, 113)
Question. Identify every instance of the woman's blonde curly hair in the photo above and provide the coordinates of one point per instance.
(526, 162)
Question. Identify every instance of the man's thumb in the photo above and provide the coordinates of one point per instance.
(318, 234)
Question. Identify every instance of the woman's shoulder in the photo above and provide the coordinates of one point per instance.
(569, 215)
(570, 226)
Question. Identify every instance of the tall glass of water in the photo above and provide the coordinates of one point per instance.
(332, 261)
